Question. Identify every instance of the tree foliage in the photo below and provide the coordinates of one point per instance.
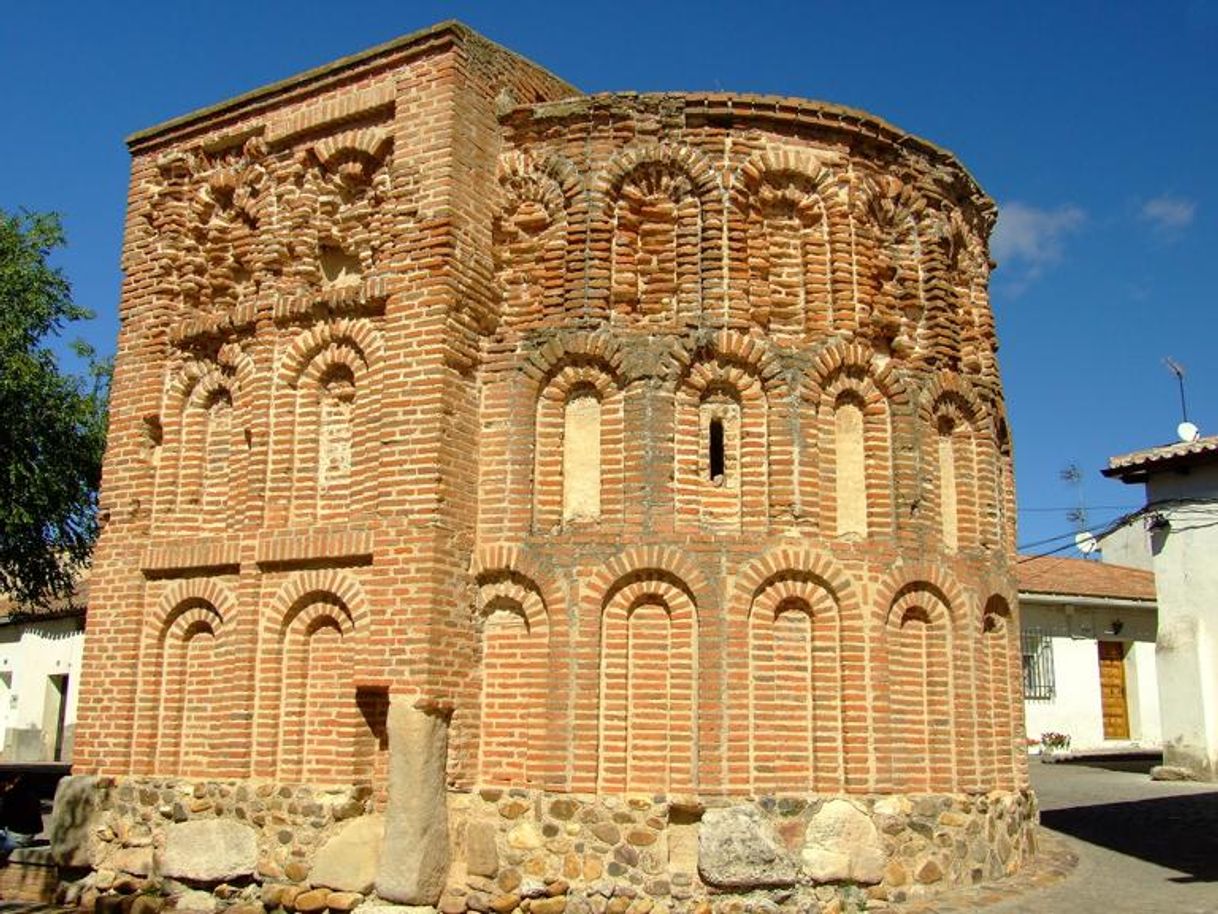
(52, 424)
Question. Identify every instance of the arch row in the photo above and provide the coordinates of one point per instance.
(787, 415)
(818, 246)
(201, 648)
(812, 682)
(832, 362)
(326, 390)
(821, 691)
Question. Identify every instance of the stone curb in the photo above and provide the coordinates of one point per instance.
(1054, 861)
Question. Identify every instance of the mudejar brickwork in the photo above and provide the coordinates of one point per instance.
(523, 499)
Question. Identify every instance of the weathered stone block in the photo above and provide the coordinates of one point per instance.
(137, 860)
(348, 861)
(481, 854)
(209, 850)
(738, 848)
(525, 836)
(76, 799)
(842, 844)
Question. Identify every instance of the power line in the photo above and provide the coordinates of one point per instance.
(1206, 506)
(1093, 507)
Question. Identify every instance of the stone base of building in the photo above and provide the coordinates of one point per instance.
(246, 846)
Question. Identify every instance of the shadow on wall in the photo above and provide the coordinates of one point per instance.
(34, 744)
(1175, 832)
(1140, 763)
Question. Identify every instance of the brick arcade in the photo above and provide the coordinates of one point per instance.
(642, 457)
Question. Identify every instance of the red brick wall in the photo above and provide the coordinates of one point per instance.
(354, 310)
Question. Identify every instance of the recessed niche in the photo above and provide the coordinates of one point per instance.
(338, 268)
(152, 435)
(581, 490)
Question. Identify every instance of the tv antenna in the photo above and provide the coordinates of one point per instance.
(1083, 538)
(1186, 430)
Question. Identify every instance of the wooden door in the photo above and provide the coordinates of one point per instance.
(1112, 689)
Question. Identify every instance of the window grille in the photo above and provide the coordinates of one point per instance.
(1036, 649)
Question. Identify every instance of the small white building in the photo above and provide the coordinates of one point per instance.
(40, 653)
(1087, 631)
(1181, 519)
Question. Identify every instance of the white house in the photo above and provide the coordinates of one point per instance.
(1087, 631)
(40, 653)
(1181, 517)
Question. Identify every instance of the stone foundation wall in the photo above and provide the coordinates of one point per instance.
(137, 821)
(220, 844)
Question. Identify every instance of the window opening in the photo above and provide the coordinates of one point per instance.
(717, 461)
(1036, 650)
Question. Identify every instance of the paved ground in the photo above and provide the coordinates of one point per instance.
(1142, 847)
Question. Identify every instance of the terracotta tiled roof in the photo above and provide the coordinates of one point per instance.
(1132, 467)
(56, 609)
(1052, 574)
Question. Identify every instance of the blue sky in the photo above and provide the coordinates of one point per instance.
(1093, 125)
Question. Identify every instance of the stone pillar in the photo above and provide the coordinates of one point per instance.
(415, 854)
(76, 801)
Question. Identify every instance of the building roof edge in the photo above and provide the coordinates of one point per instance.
(751, 105)
(453, 28)
(1136, 466)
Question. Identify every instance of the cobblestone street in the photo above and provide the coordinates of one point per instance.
(1141, 846)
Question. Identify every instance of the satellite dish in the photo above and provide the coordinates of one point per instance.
(1085, 542)
(1188, 431)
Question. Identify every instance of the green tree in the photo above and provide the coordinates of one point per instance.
(52, 424)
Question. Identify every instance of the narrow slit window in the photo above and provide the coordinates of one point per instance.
(717, 462)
